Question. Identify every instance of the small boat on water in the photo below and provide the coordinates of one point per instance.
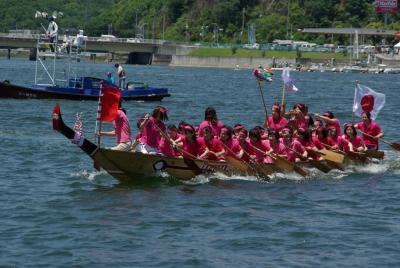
(83, 88)
(55, 79)
(131, 166)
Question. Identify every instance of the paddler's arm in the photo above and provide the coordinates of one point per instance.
(325, 118)
(107, 133)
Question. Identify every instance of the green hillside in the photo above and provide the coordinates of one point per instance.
(225, 21)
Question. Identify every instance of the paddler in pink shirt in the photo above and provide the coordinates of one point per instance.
(210, 147)
(122, 131)
(330, 121)
(210, 120)
(258, 147)
(189, 147)
(352, 142)
(276, 145)
(168, 145)
(276, 121)
(372, 129)
(231, 145)
(151, 130)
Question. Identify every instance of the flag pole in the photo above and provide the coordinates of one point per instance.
(354, 102)
(283, 104)
(262, 97)
(98, 122)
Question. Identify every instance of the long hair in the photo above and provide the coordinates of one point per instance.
(210, 114)
(162, 112)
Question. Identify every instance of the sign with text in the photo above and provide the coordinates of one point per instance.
(386, 6)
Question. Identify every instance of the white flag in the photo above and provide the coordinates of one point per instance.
(367, 100)
(288, 81)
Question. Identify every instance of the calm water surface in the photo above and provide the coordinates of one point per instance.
(56, 211)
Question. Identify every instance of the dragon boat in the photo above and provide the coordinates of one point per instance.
(131, 166)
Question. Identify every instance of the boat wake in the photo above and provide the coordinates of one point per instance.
(91, 176)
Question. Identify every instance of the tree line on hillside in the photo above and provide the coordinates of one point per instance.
(223, 21)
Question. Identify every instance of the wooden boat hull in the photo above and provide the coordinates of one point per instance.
(8, 90)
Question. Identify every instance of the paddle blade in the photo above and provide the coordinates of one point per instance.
(284, 164)
(375, 154)
(395, 146)
(238, 164)
(320, 166)
(334, 165)
(300, 171)
(332, 156)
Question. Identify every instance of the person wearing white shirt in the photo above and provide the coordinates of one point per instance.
(52, 32)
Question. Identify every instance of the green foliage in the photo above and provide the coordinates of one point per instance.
(234, 49)
(197, 20)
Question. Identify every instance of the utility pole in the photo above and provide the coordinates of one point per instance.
(241, 31)
(288, 21)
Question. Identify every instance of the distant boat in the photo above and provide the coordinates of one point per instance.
(83, 88)
(48, 85)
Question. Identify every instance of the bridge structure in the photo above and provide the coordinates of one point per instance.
(138, 51)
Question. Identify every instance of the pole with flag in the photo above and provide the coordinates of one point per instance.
(107, 108)
(288, 85)
(367, 100)
(263, 75)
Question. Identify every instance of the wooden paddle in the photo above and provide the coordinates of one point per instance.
(283, 163)
(394, 145)
(244, 166)
(332, 156)
(257, 167)
(353, 155)
(315, 163)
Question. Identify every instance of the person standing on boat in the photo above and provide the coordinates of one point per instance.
(121, 76)
(78, 42)
(52, 32)
(110, 79)
(122, 131)
(371, 128)
(67, 42)
(210, 120)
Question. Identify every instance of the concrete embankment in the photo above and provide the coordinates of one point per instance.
(226, 62)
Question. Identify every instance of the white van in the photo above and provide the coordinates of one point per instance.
(107, 38)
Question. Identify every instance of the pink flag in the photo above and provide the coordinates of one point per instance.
(367, 100)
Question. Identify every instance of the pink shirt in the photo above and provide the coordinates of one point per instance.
(276, 124)
(356, 141)
(122, 128)
(213, 145)
(373, 129)
(150, 133)
(336, 125)
(233, 147)
(189, 149)
(166, 148)
(263, 146)
(296, 146)
(215, 127)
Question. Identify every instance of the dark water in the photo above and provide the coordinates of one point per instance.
(56, 211)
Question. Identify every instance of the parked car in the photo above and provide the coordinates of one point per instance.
(133, 40)
(107, 38)
(252, 46)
